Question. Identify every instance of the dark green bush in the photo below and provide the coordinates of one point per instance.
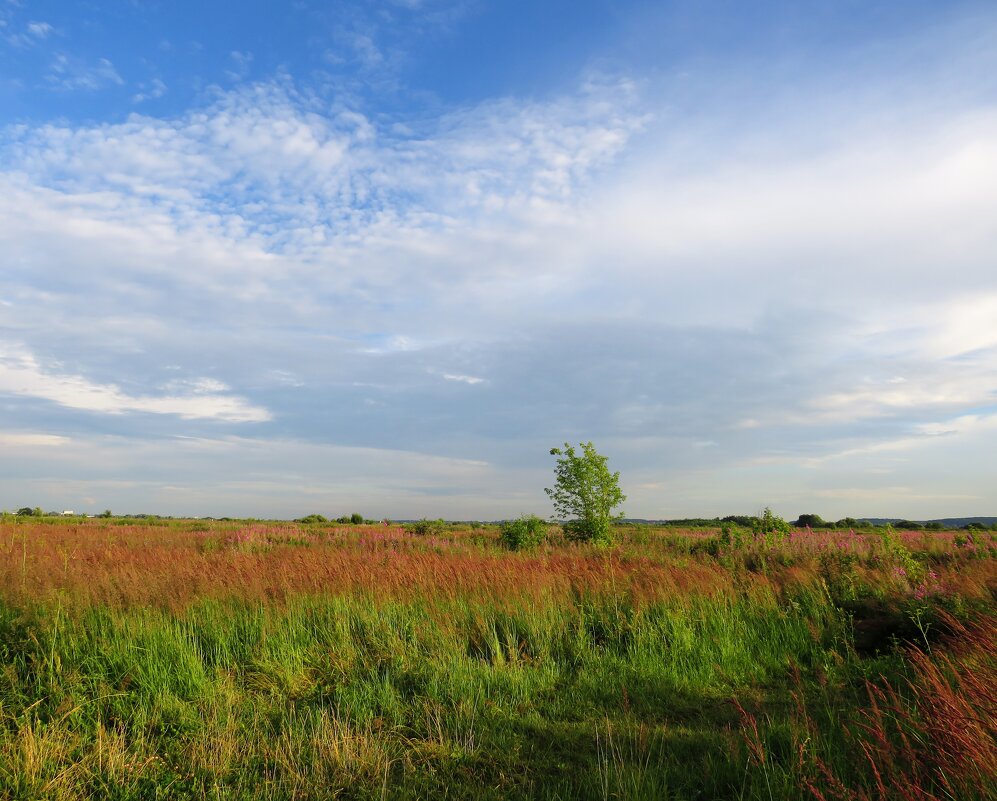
(528, 531)
(312, 519)
(812, 520)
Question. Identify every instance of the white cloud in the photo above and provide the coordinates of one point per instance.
(963, 325)
(15, 439)
(464, 379)
(33, 33)
(890, 497)
(152, 91)
(969, 424)
(961, 389)
(40, 30)
(260, 154)
(367, 52)
(21, 374)
(241, 64)
(870, 223)
(68, 73)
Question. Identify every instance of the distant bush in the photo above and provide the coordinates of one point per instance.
(528, 531)
(425, 527)
(770, 527)
(908, 525)
(811, 520)
(730, 538)
(312, 519)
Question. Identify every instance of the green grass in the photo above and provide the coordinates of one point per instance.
(344, 697)
(762, 690)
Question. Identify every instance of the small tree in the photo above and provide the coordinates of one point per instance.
(585, 493)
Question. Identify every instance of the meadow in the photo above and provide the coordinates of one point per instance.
(266, 660)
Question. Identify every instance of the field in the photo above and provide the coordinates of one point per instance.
(248, 660)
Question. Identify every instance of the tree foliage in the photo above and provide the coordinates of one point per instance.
(585, 493)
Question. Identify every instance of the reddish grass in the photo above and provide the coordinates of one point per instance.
(173, 564)
(933, 739)
(121, 565)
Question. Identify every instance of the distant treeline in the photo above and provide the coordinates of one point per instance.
(816, 521)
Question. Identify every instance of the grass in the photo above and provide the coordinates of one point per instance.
(278, 661)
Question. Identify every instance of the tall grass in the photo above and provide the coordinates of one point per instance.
(272, 661)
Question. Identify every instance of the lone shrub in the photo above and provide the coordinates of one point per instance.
(425, 527)
(528, 531)
(770, 528)
(314, 518)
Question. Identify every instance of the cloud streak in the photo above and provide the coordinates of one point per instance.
(21, 374)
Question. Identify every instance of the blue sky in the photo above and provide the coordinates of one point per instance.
(382, 256)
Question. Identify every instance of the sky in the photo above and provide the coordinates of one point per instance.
(280, 258)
